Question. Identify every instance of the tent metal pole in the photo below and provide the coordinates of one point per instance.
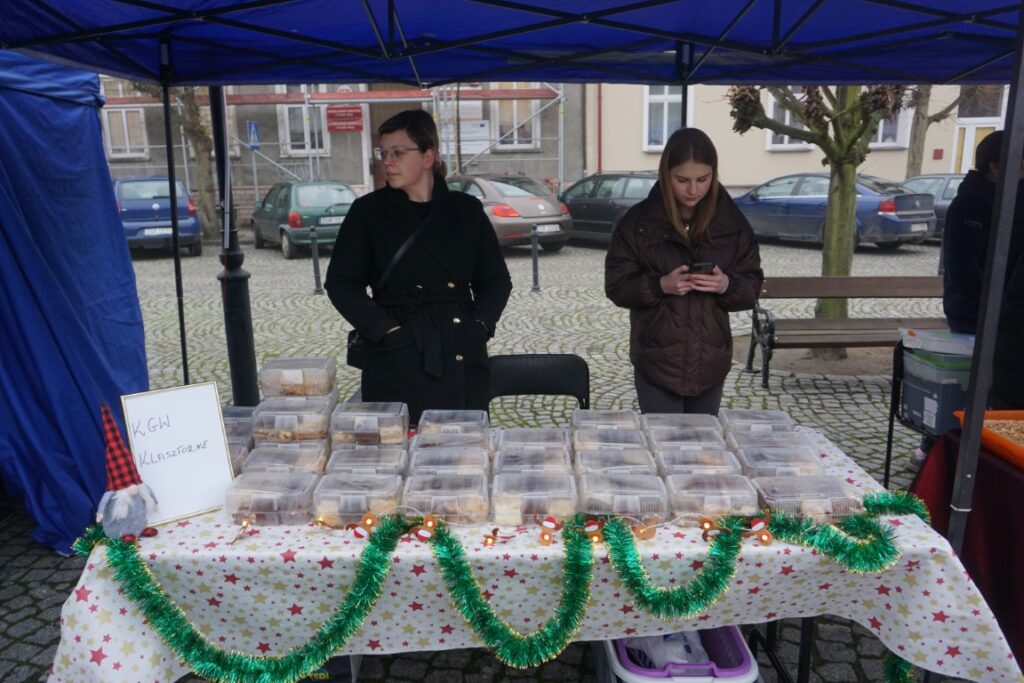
(234, 280)
(684, 63)
(172, 184)
(991, 300)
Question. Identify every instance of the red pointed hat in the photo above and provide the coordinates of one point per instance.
(121, 471)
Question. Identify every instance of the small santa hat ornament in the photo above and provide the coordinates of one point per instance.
(551, 523)
(124, 507)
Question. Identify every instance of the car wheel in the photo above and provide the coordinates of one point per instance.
(552, 247)
(257, 240)
(196, 248)
(288, 248)
(889, 246)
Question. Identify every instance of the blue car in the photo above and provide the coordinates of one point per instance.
(793, 207)
(144, 204)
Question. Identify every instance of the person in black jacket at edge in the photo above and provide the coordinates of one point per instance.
(428, 326)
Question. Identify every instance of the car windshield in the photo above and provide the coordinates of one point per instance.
(150, 189)
(924, 185)
(520, 187)
(324, 195)
(879, 185)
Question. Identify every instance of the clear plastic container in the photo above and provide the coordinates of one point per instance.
(441, 440)
(297, 376)
(748, 420)
(821, 497)
(673, 438)
(641, 496)
(547, 459)
(271, 498)
(604, 419)
(529, 497)
(308, 456)
(342, 499)
(237, 451)
(453, 422)
(716, 461)
(522, 436)
(370, 424)
(736, 440)
(468, 460)
(694, 495)
(779, 462)
(238, 428)
(458, 498)
(590, 439)
(367, 461)
(680, 421)
(292, 418)
(618, 460)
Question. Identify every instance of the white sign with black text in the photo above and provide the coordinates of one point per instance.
(181, 451)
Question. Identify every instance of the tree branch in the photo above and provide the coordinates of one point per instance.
(941, 114)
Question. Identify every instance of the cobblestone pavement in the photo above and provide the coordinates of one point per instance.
(569, 314)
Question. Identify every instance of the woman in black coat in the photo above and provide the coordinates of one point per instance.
(427, 327)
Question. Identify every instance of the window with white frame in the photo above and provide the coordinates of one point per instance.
(779, 141)
(516, 127)
(124, 133)
(302, 129)
(663, 110)
(893, 132)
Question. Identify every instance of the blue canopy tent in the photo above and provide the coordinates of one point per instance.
(217, 42)
(68, 303)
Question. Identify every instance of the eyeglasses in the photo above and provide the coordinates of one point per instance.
(395, 153)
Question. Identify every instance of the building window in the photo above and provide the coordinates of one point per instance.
(778, 141)
(516, 128)
(303, 130)
(124, 133)
(663, 106)
(893, 132)
(980, 102)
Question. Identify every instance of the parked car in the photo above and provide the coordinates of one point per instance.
(597, 202)
(144, 204)
(515, 204)
(793, 207)
(941, 186)
(291, 209)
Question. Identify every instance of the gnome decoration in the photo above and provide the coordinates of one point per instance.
(124, 507)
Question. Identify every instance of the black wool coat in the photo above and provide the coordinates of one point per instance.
(447, 293)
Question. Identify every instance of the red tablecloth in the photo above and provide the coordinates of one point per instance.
(993, 550)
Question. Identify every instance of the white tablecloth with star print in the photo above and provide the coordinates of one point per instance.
(270, 591)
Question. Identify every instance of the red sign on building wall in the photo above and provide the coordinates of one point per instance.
(344, 118)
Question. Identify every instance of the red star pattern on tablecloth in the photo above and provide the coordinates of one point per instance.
(288, 555)
(82, 594)
(97, 656)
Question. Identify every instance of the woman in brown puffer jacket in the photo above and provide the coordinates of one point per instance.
(680, 341)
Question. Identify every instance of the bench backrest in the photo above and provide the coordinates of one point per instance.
(852, 287)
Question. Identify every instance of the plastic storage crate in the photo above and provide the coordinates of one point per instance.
(730, 661)
(934, 385)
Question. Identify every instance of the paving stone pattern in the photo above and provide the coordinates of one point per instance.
(570, 314)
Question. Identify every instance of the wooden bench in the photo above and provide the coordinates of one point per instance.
(770, 332)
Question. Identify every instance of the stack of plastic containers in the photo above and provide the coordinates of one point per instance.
(238, 430)
(936, 370)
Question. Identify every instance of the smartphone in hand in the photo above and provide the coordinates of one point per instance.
(702, 267)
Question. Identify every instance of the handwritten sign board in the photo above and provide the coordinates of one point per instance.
(177, 438)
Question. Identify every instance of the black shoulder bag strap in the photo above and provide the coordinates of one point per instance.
(420, 229)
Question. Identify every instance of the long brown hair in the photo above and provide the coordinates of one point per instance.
(689, 144)
(420, 127)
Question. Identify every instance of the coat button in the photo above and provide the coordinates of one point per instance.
(419, 286)
(456, 320)
(451, 285)
(458, 357)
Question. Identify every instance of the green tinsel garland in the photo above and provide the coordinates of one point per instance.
(859, 542)
(681, 602)
(508, 645)
(879, 503)
(212, 663)
(896, 670)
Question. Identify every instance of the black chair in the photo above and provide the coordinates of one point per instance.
(545, 374)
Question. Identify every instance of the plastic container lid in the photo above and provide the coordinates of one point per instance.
(779, 462)
(370, 424)
(237, 452)
(238, 428)
(747, 420)
(548, 459)
(939, 368)
(680, 421)
(529, 497)
(292, 418)
(710, 495)
(617, 460)
(287, 457)
(696, 461)
(367, 461)
(604, 419)
(820, 497)
(736, 440)
(459, 498)
(589, 439)
(342, 499)
(465, 460)
(453, 422)
(443, 440)
(641, 496)
(522, 436)
(271, 498)
(938, 341)
(674, 438)
(297, 376)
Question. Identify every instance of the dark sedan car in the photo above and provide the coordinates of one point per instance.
(144, 203)
(290, 209)
(598, 202)
(943, 187)
(793, 207)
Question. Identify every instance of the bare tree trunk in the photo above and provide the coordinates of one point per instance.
(201, 140)
(918, 130)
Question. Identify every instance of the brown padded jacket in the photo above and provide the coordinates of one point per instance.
(682, 344)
